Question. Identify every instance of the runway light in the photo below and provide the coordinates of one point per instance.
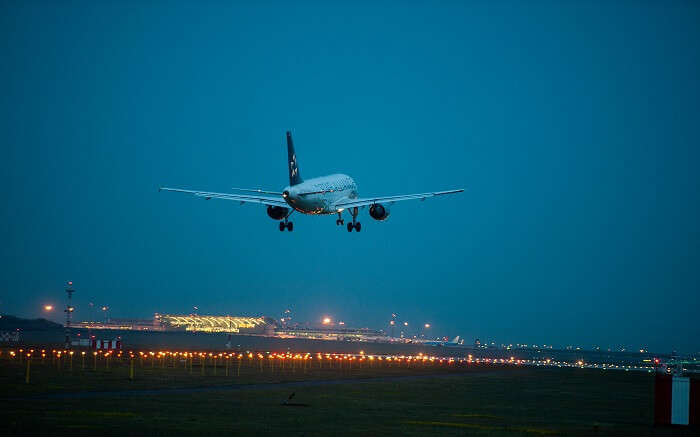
(48, 307)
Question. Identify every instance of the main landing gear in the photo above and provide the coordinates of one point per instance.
(355, 224)
(287, 224)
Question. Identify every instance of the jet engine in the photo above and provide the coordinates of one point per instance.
(379, 212)
(277, 212)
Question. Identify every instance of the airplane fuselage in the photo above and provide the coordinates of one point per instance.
(319, 195)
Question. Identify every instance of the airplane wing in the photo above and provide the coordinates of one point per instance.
(351, 203)
(243, 198)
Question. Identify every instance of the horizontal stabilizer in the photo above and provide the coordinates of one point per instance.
(316, 192)
(257, 190)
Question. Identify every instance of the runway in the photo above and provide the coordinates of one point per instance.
(240, 387)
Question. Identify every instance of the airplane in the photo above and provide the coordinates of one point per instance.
(454, 342)
(323, 195)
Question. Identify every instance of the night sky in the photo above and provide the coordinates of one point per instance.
(573, 127)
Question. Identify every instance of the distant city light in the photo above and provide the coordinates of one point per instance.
(392, 323)
(48, 307)
(326, 320)
(405, 323)
(427, 325)
(341, 323)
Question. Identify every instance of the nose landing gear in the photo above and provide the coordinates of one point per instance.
(340, 220)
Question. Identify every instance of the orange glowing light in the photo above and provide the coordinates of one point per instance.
(326, 320)
(48, 307)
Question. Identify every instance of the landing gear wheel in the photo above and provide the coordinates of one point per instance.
(290, 226)
(282, 226)
(358, 227)
(349, 227)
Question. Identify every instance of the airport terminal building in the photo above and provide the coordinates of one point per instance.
(340, 334)
(190, 323)
(242, 325)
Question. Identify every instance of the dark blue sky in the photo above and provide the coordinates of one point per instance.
(573, 126)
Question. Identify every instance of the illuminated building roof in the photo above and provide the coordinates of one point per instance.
(194, 322)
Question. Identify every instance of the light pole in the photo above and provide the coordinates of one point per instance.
(69, 311)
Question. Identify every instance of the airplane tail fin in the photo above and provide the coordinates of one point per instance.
(294, 176)
(455, 340)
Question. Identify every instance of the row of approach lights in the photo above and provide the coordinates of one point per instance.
(29, 353)
(323, 357)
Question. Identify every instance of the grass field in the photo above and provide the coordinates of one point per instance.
(178, 396)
